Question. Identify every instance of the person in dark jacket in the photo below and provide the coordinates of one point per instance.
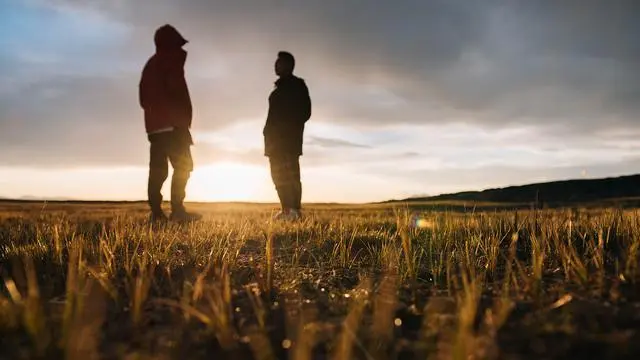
(289, 110)
(164, 96)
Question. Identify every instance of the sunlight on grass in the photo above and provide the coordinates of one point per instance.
(345, 283)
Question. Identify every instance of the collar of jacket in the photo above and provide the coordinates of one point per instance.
(171, 55)
(285, 79)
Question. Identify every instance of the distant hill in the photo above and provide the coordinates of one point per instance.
(550, 193)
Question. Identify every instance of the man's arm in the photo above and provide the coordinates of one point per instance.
(268, 121)
(151, 89)
(176, 90)
(299, 103)
(143, 87)
(305, 102)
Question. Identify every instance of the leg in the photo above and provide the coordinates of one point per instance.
(296, 184)
(178, 190)
(158, 172)
(182, 163)
(278, 167)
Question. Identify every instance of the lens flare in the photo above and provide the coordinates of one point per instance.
(420, 222)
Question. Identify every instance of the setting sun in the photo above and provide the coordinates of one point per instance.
(228, 181)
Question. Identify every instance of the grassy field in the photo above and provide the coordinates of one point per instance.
(94, 281)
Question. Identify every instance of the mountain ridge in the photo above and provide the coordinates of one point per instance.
(549, 193)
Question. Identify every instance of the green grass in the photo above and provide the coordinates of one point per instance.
(85, 281)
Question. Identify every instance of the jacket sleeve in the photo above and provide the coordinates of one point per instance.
(269, 120)
(142, 87)
(178, 90)
(300, 102)
(305, 102)
(150, 87)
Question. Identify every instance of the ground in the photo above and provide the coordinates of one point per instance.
(388, 281)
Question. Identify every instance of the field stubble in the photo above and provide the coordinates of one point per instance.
(89, 282)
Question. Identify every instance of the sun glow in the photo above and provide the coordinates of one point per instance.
(228, 182)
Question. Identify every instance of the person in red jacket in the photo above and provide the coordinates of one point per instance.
(164, 97)
(289, 110)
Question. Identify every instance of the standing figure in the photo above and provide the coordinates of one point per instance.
(164, 96)
(289, 110)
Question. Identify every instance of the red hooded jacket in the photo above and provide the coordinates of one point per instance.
(163, 91)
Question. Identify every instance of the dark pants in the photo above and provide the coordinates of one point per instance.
(285, 173)
(175, 147)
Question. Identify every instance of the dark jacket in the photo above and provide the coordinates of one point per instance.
(289, 110)
(163, 91)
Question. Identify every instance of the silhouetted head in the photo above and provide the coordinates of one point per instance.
(167, 37)
(285, 64)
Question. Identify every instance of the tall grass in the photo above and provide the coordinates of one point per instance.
(344, 283)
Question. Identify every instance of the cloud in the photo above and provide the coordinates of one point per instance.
(449, 180)
(485, 61)
(490, 62)
(569, 68)
(334, 143)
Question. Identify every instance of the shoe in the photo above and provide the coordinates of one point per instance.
(295, 214)
(184, 216)
(288, 215)
(158, 218)
(280, 215)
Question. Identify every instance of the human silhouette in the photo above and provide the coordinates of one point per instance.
(164, 96)
(289, 110)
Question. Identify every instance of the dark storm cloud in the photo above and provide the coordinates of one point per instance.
(571, 64)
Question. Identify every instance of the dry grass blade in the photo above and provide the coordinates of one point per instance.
(202, 317)
(72, 290)
(467, 310)
(348, 334)
(268, 286)
(260, 345)
(34, 316)
(384, 307)
(408, 253)
(299, 326)
(257, 305)
(11, 287)
(564, 300)
(84, 337)
(305, 338)
(140, 291)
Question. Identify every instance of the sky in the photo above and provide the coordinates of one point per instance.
(412, 97)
